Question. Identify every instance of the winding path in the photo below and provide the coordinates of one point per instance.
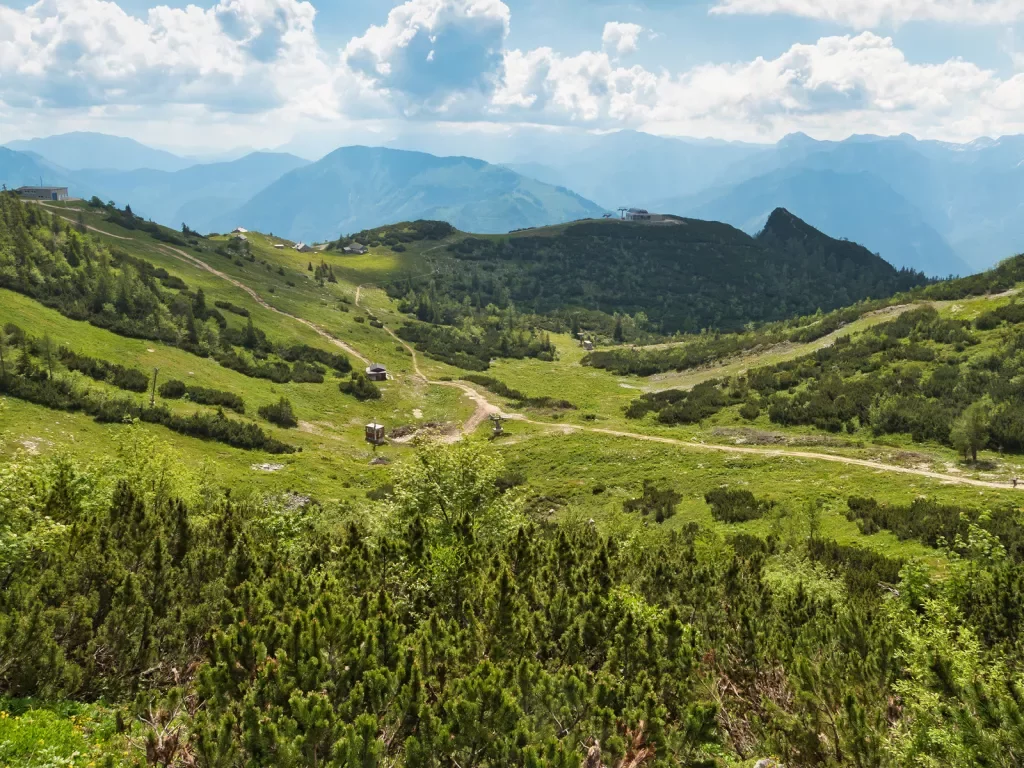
(484, 408)
(189, 259)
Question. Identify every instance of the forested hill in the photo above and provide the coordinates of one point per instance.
(785, 231)
(684, 275)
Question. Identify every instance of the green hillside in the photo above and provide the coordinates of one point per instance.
(783, 556)
(629, 280)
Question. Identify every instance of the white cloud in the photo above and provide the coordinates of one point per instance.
(254, 68)
(872, 13)
(621, 37)
(431, 52)
(239, 56)
(837, 78)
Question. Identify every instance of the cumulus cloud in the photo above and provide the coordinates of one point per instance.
(836, 74)
(621, 37)
(240, 55)
(258, 64)
(872, 13)
(431, 52)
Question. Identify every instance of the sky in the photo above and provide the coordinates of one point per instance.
(308, 76)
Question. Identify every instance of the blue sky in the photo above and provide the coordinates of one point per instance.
(266, 73)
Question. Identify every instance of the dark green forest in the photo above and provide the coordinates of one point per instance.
(684, 276)
(699, 349)
(444, 626)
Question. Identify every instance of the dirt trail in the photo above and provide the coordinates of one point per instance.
(188, 258)
(485, 408)
(778, 453)
(179, 254)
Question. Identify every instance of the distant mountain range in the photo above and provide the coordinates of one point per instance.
(930, 205)
(858, 206)
(938, 207)
(81, 150)
(351, 189)
(355, 188)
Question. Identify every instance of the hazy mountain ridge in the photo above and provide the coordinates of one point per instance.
(86, 150)
(960, 201)
(198, 195)
(355, 188)
(936, 206)
(856, 206)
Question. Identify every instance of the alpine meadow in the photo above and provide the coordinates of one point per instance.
(504, 384)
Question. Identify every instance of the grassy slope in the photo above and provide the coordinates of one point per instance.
(564, 467)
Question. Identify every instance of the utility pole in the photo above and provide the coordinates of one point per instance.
(152, 394)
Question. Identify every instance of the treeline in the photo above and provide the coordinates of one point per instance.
(125, 219)
(474, 349)
(31, 376)
(935, 524)
(63, 395)
(257, 638)
(396, 236)
(521, 400)
(131, 379)
(44, 258)
(683, 278)
(710, 347)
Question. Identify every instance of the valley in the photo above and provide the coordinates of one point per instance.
(574, 456)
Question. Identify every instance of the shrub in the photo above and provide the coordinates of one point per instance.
(172, 389)
(279, 413)
(500, 388)
(736, 506)
(750, 410)
(232, 308)
(131, 379)
(661, 502)
(360, 387)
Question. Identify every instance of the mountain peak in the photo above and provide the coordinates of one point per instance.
(781, 222)
(786, 229)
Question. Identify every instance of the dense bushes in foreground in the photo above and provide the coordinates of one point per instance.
(445, 629)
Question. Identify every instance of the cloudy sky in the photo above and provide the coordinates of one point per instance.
(266, 73)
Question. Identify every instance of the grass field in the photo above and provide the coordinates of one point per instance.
(561, 465)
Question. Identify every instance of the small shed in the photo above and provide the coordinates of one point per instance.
(239, 231)
(357, 248)
(302, 248)
(375, 433)
(376, 372)
(588, 345)
(279, 245)
(243, 238)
